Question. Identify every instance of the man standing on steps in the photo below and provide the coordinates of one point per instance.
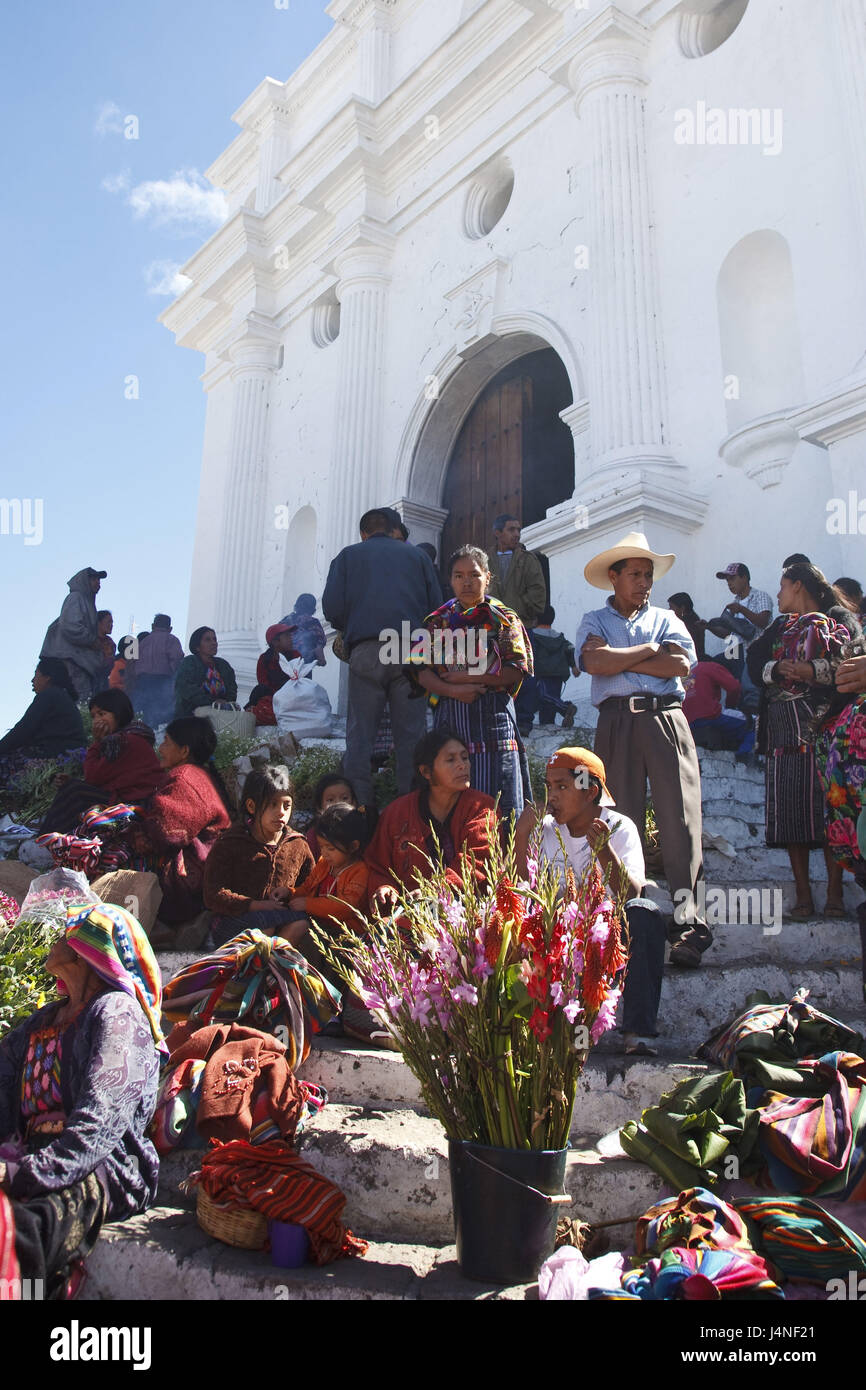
(637, 656)
(516, 576)
(373, 588)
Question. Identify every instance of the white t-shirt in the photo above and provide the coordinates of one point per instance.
(624, 841)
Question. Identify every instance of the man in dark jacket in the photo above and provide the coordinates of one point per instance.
(74, 636)
(374, 588)
(516, 576)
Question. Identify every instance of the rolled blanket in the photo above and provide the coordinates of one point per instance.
(270, 1178)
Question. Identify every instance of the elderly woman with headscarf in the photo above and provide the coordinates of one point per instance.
(203, 677)
(78, 1083)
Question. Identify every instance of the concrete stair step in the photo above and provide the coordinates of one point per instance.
(611, 1090)
(164, 1254)
(393, 1167)
(695, 1002)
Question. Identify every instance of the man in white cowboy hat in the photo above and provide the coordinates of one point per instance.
(637, 656)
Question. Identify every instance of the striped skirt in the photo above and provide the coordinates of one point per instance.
(795, 798)
(488, 727)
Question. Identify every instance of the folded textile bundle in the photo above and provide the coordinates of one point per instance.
(273, 1180)
(229, 1082)
(261, 981)
(701, 1247)
(777, 1033)
(814, 1140)
(687, 1137)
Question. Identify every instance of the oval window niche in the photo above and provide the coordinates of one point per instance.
(488, 196)
(704, 27)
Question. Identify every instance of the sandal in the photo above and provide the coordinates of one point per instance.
(638, 1047)
(801, 914)
(684, 956)
(836, 909)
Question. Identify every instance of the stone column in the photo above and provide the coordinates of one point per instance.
(849, 17)
(628, 406)
(254, 357)
(356, 470)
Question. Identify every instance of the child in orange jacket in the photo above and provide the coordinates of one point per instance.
(337, 891)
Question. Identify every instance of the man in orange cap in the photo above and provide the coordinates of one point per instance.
(581, 823)
(637, 655)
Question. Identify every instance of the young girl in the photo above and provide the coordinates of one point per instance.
(330, 790)
(257, 865)
(337, 888)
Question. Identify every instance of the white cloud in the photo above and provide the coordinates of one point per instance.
(109, 121)
(116, 183)
(185, 199)
(164, 277)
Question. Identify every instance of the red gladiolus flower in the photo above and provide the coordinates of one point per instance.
(615, 955)
(509, 903)
(539, 1022)
(593, 979)
(494, 940)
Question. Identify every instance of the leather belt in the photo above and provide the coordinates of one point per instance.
(642, 704)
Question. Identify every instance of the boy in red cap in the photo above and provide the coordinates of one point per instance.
(269, 673)
(580, 821)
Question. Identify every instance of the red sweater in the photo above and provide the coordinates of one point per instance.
(186, 807)
(398, 846)
(133, 775)
(704, 687)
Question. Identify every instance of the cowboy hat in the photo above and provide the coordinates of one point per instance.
(631, 547)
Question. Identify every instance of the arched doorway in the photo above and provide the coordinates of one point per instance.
(513, 452)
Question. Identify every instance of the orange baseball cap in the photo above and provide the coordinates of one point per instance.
(575, 758)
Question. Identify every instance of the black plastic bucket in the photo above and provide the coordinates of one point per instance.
(504, 1220)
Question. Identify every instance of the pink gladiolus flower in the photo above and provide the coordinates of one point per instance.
(464, 994)
(606, 1015)
(600, 931)
(572, 1010)
(419, 1012)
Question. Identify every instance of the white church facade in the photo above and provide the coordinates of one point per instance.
(602, 266)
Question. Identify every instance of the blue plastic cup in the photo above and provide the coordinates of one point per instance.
(290, 1244)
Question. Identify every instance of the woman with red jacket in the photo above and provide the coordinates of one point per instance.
(120, 764)
(186, 816)
(445, 810)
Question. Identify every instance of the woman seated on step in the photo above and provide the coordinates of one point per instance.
(186, 816)
(120, 765)
(51, 724)
(203, 677)
(444, 815)
(78, 1083)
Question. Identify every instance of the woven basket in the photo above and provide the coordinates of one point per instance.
(239, 1226)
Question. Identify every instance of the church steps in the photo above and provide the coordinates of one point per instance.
(393, 1167)
(164, 1254)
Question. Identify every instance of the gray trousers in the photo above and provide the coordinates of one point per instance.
(372, 685)
(659, 746)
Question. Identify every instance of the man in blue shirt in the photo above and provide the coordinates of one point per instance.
(372, 589)
(637, 656)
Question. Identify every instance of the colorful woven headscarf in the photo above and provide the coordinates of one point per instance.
(116, 947)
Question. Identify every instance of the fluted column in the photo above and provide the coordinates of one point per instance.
(849, 17)
(628, 406)
(356, 470)
(254, 357)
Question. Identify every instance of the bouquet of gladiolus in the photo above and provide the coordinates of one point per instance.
(494, 994)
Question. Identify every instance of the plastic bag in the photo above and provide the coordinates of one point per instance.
(50, 894)
(302, 706)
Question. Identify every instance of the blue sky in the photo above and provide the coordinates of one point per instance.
(92, 226)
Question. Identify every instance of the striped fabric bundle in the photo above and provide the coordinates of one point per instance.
(270, 1178)
(702, 1274)
(777, 1032)
(95, 848)
(801, 1239)
(258, 980)
(695, 1218)
(815, 1144)
(116, 948)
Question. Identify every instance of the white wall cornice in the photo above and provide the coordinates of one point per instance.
(837, 415)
